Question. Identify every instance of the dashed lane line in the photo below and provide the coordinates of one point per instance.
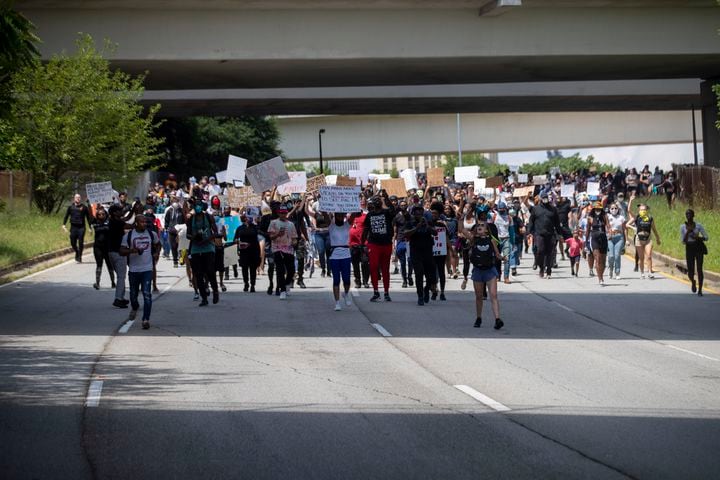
(484, 399)
(94, 392)
(381, 329)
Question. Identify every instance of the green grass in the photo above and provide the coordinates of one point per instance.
(668, 224)
(26, 234)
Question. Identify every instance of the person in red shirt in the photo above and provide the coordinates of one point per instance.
(575, 246)
(358, 249)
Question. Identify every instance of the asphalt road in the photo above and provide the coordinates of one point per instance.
(621, 381)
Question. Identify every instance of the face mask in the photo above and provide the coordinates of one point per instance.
(502, 212)
(512, 213)
(545, 200)
(198, 209)
(176, 205)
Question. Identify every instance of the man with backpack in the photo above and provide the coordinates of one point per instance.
(140, 246)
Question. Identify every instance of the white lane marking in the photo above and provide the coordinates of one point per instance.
(355, 292)
(495, 405)
(563, 306)
(692, 353)
(27, 277)
(93, 396)
(126, 326)
(380, 329)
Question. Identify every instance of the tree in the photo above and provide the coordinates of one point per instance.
(73, 120)
(200, 145)
(295, 167)
(17, 50)
(486, 167)
(571, 164)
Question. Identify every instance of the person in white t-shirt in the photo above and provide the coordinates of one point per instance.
(140, 245)
(284, 238)
(340, 258)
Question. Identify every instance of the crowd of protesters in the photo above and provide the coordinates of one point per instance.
(483, 235)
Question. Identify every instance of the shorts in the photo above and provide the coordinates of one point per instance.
(574, 260)
(484, 275)
(642, 243)
(219, 259)
(599, 242)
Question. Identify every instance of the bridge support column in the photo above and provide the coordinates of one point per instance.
(711, 134)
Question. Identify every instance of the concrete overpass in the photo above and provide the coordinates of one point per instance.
(372, 136)
(291, 57)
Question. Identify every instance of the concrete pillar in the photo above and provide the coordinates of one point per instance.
(711, 134)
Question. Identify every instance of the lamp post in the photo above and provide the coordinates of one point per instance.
(320, 132)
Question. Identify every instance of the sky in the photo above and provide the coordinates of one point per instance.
(636, 156)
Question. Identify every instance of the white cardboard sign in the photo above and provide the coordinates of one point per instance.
(539, 179)
(221, 176)
(359, 176)
(593, 189)
(101, 192)
(264, 175)
(466, 174)
(235, 170)
(479, 184)
(410, 177)
(297, 184)
(339, 199)
(522, 178)
(567, 191)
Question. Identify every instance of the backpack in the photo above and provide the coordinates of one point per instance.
(482, 254)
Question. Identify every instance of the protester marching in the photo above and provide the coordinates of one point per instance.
(263, 220)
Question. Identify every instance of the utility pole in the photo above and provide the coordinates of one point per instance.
(459, 141)
(320, 132)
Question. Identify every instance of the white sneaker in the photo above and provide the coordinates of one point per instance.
(651, 275)
(283, 295)
(618, 277)
(337, 306)
(642, 276)
(348, 302)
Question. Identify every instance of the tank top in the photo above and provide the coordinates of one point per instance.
(598, 222)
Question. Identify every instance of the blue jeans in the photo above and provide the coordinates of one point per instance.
(505, 250)
(165, 238)
(616, 243)
(322, 245)
(141, 280)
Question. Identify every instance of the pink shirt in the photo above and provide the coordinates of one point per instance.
(574, 246)
(283, 243)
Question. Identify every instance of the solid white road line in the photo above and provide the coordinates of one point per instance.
(28, 277)
(380, 329)
(563, 306)
(691, 352)
(126, 326)
(495, 405)
(93, 396)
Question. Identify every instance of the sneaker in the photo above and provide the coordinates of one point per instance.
(514, 272)
(348, 301)
(498, 324)
(548, 276)
(700, 293)
(196, 297)
(216, 297)
(463, 285)
(145, 324)
(133, 314)
(601, 282)
(395, 272)
(387, 298)
(337, 306)
(223, 288)
(592, 272)
(404, 284)
(618, 277)
(301, 284)
(421, 302)
(357, 285)
(283, 295)
(410, 282)
(204, 303)
(322, 273)
(434, 295)
(119, 304)
(252, 289)
(270, 290)
(693, 287)
(277, 292)
(651, 275)
(96, 286)
(478, 322)
(642, 276)
(442, 297)
(246, 288)
(375, 297)
(426, 296)
(636, 268)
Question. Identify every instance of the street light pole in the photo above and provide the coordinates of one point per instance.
(320, 132)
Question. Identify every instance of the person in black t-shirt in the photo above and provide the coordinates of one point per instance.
(378, 232)
(421, 240)
(101, 225)
(78, 213)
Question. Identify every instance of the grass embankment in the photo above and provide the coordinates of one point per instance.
(26, 234)
(668, 225)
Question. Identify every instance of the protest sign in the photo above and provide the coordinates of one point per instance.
(555, 171)
(523, 191)
(339, 199)
(479, 184)
(221, 176)
(264, 175)
(511, 179)
(231, 224)
(378, 176)
(395, 186)
(331, 180)
(243, 197)
(101, 192)
(522, 178)
(514, 168)
(466, 174)
(435, 177)
(297, 184)
(343, 181)
(361, 176)
(494, 182)
(440, 239)
(539, 179)
(314, 183)
(235, 170)
(410, 177)
(567, 191)
(593, 189)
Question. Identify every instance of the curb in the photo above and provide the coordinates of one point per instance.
(32, 262)
(676, 265)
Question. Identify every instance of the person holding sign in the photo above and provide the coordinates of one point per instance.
(78, 213)
(284, 238)
(378, 233)
(420, 236)
(483, 256)
(248, 248)
(440, 247)
(339, 260)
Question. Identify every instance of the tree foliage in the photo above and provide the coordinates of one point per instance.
(574, 163)
(200, 145)
(486, 167)
(73, 120)
(17, 49)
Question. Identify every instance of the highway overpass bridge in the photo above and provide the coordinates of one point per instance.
(407, 56)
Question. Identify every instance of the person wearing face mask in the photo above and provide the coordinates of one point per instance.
(597, 227)
(616, 240)
(483, 255)
(248, 248)
(173, 217)
(358, 249)
(284, 239)
(101, 225)
(419, 234)
(516, 249)
(202, 233)
(543, 225)
(139, 246)
(644, 225)
(506, 238)
(340, 258)
(693, 236)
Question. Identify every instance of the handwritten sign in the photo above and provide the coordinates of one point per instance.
(410, 177)
(339, 199)
(243, 197)
(435, 177)
(539, 179)
(361, 176)
(479, 184)
(395, 186)
(266, 174)
(466, 174)
(101, 192)
(235, 170)
(343, 181)
(494, 182)
(440, 245)
(567, 191)
(297, 184)
(314, 184)
(523, 191)
(522, 178)
(593, 189)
